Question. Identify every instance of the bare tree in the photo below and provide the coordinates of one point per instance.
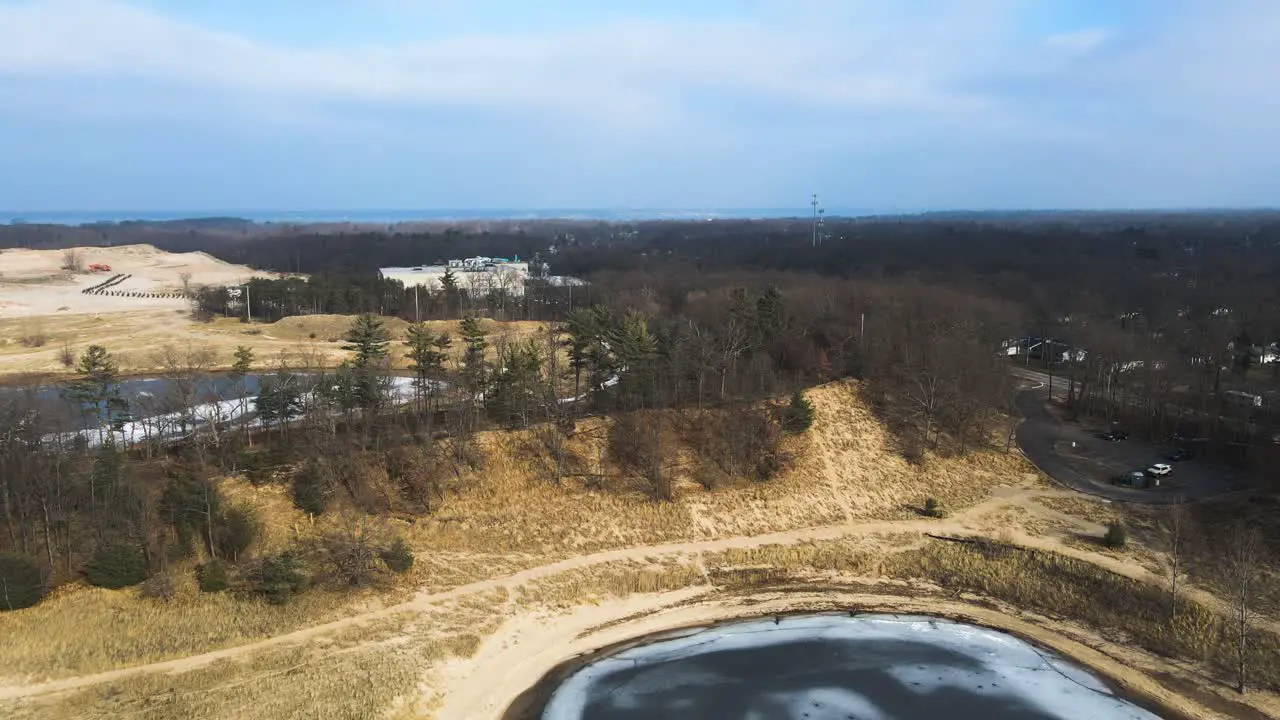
(1243, 555)
(1174, 527)
(72, 260)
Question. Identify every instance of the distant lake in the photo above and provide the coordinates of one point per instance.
(88, 217)
(836, 667)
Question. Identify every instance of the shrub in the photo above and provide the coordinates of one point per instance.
(933, 508)
(21, 582)
(350, 555)
(398, 557)
(278, 578)
(235, 531)
(34, 338)
(798, 416)
(311, 489)
(1117, 537)
(212, 576)
(158, 587)
(67, 356)
(116, 565)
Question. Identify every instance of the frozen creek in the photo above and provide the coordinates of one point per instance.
(836, 667)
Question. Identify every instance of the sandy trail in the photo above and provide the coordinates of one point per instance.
(964, 524)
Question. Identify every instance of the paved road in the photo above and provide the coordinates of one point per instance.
(1040, 432)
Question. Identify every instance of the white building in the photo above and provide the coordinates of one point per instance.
(478, 275)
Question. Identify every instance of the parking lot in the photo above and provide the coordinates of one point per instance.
(1075, 456)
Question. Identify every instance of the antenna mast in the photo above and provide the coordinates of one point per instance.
(818, 213)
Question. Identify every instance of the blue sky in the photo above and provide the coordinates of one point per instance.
(877, 104)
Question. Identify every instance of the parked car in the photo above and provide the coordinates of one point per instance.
(1180, 455)
(1114, 435)
(1120, 434)
(1136, 478)
(1159, 470)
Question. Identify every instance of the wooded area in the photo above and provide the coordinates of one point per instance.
(713, 324)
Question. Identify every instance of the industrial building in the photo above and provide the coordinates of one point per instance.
(477, 275)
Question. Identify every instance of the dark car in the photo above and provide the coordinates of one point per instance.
(1180, 455)
(1137, 479)
(1113, 436)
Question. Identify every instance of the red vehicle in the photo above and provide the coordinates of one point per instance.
(99, 267)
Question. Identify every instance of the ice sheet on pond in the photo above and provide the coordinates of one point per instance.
(830, 667)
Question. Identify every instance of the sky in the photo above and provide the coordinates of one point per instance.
(883, 105)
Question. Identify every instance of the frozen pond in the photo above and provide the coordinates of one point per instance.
(836, 667)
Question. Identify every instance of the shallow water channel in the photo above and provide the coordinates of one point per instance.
(835, 667)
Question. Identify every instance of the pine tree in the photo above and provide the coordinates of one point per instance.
(368, 339)
(799, 415)
(770, 314)
(240, 369)
(427, 352)
(449, 283)
(474, 368)
(97, 386)
(516, 383)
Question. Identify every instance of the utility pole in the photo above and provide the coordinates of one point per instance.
(814, 203)
(248, 304)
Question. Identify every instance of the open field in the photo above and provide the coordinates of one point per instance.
(136, 337)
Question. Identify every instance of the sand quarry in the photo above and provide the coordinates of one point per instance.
(33, 283)
(43, 312)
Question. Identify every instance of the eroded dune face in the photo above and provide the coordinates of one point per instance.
(837, 667)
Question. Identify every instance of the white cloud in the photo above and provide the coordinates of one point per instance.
(633, 71)
(1181, 98)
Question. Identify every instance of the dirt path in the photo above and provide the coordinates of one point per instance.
(963, 524)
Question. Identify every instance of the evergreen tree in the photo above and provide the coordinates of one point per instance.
(474, 368)
(21, 582)
(581, 334)
(116, 565)
(427, 352)
(449, 284)
(799, 414)
(240, 369)
(770, 315)
(97, 387)
(279, 399)
(368, 339)
(636, 353)
(516, 383)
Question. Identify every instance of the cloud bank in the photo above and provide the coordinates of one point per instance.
(942, 104)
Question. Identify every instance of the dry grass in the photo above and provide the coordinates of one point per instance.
(84, 630)
(1127, 609)
(1090, 509)
(309, 681)
(845, 469)
(380, 668)
(505, 517)
(311, 340)
(615, 580)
